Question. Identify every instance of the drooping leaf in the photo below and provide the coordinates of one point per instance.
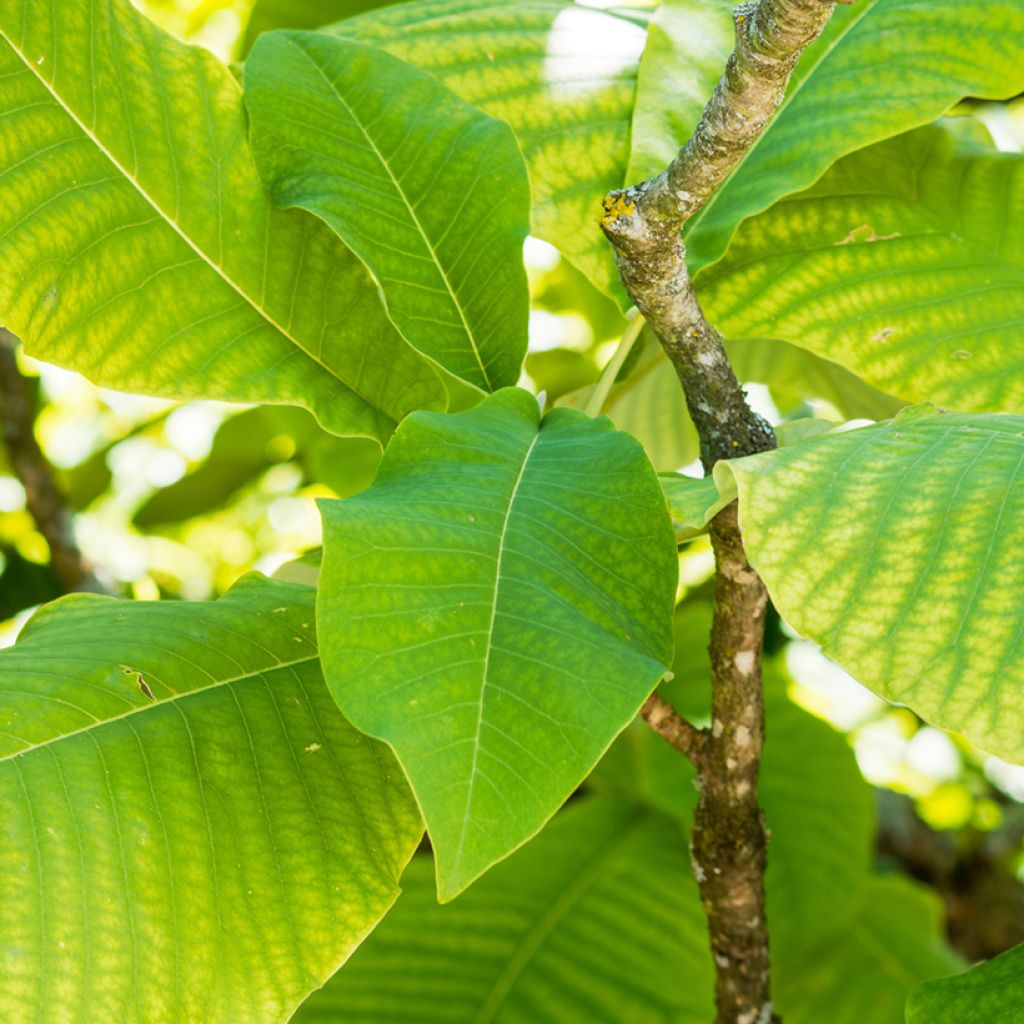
(896, 548)
(267, 15)
(821, 835)
(496, 607)
(866, 969)
(567, 929)
(138, 246)
(688, 43)
(880, 68)
(562, 75)
(430, 193)
(991, 993)
(192, 830)
(905, 264)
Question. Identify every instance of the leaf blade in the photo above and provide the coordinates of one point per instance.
(411, 216)
(480, 660)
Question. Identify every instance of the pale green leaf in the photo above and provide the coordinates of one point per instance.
(688, 43)
(863, 973)
(563, 76)
(596, 920)
(905, 264)
(427, 191)
(192, 832)
(138, 246)
(991, 993)
(497, 606)
(896, 548)
(880, 68)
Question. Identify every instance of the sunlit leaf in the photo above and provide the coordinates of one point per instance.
(192, 832)
(896, 548)
(905, 264)
(139, 247)
(427, 191)
(562, 75)
(880, 68)
(497, 606)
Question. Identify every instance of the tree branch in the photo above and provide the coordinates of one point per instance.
(673, 728)
(643, 224)
(46, 502)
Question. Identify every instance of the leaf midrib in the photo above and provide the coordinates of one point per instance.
(180, 232)
(172, 700)
(487, 649)
(405, 199)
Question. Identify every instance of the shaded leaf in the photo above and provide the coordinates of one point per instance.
(192, 830)
(568, 929)
(865, 970)
(497, 606)
(428, 192)
(991, 993)
(267, 15)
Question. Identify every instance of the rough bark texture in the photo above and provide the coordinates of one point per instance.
(643, 223)
(44, 498)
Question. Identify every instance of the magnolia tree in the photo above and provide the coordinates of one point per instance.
(209, 806)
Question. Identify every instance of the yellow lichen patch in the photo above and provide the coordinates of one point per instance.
(616, 204)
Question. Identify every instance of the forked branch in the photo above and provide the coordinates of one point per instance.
(644, 223)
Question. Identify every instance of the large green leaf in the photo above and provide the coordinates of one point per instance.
(138, 246)
(896, 548)
(991, 993)
(497, 606)
(863, 973)
(192, 832)
(428, 192)
(880, 68)
(563, 76)
(905, 264)
(597, 919)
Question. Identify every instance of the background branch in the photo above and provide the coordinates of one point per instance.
(45, 500)
(644, 225)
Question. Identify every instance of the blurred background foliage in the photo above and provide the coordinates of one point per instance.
(177, 501)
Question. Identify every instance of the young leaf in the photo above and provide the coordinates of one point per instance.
(427, 191)
(566, 930)
(880, 68)
(986, 994)
(562, 75)
(497, 606)
(896, 548)
(905, 264)
(192, 831)
(140, 249)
